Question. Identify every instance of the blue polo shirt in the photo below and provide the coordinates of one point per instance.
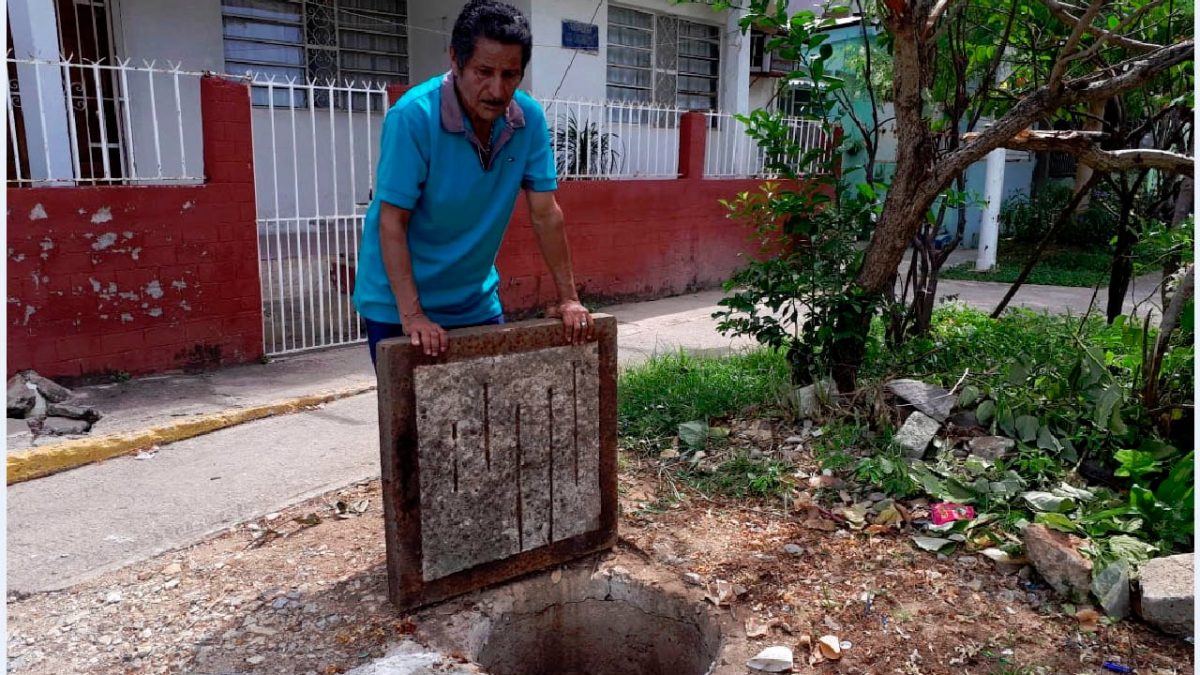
(460, 200)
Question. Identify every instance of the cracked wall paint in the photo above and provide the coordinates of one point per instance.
(179, 284)
(155, 311)
(29, 311)
(38, 212)
(102, 215)
(105, 240)
(46, 245)
(126, 317)
(154, 289)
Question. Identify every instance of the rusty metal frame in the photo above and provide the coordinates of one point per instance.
(397, 359)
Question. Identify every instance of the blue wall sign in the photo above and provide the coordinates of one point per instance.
(580, 35)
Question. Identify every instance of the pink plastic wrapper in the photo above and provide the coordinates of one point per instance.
(941, 514)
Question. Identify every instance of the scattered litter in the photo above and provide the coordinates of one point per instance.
(1116, 667)
(772, 660)
(556, 576)
(148, 453)
(693, 579)
(757, 629)
(948, 512)
(831, 624)
(830, 647)
(1089, 620)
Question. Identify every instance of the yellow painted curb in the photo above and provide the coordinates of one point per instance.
(45, 460)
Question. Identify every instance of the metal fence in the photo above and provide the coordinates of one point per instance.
(315, 148)
(731, 153)
(102, 123)
(613, 140)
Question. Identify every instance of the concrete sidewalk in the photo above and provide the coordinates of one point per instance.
(215, 469)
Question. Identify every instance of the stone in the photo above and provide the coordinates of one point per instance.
(51, 390)
(411, 658)
(916, 434)
(1056, 557)
(255, 660)
(963, 419)
(64, 426)
(926, 398)
(1111, 588)
(992, 448)
(112, 598)
(74, 412)
(811, 398)
(1168, 596)
(20, 397)
(793, 550)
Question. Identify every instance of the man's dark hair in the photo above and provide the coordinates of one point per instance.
(492, 20)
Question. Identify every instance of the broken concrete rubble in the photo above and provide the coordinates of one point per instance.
(46, 407)
(992, 448)
(1168, 595)
(926, 398)
(1056, 557)
(916, 434)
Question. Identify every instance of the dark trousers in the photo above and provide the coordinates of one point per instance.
(377, 330)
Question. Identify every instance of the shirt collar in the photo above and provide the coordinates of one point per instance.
(452, 112)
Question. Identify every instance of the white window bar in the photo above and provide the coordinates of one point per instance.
(104, 94)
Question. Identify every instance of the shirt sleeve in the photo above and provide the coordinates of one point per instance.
(540, 175)
(403, 158)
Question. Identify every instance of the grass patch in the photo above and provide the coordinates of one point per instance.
(1057, 267)
(654, 398)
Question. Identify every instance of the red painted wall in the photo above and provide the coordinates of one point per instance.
(631, 240)
(141, 279)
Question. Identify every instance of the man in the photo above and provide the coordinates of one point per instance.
(455, 152)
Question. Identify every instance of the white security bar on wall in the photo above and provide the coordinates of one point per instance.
(730, 152)
(613, 140)
(125, 124)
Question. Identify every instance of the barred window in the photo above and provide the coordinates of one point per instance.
(365, 41)
(662, 59)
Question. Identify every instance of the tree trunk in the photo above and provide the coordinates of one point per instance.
(1083, 172)
(1122, 267)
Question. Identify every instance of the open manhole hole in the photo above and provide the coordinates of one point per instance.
(579, 621)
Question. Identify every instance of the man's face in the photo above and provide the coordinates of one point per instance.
(487, 82)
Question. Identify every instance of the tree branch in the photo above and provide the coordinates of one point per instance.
(1060, 12)
(1068, 48)
(1083, 147)
(936, 13)
(1129, 74)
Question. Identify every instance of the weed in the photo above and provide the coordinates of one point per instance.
(654, 398)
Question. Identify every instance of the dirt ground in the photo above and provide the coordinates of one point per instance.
(304, 591)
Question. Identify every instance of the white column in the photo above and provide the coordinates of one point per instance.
(989, 227)
(34, 28)
(734, 96)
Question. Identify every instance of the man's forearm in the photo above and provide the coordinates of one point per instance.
(397, 261)
(552, 240)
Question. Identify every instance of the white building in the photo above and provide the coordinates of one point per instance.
(647, 51)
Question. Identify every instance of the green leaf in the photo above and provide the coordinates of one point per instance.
(1027, 427)
(1055, 521)
(1125, 547)
(1104, 406)
(932, 544)
(1071, 492)
(1047, 441)
(694, 434)
(1004, 418)
(1135, 463)
(1018, 373)
(986, 412)
(1047, 502)
(967, 396)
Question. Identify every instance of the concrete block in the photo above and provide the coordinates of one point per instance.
(1168, 595)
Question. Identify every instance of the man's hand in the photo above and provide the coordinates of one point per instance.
(578, 325)
(426, 334)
